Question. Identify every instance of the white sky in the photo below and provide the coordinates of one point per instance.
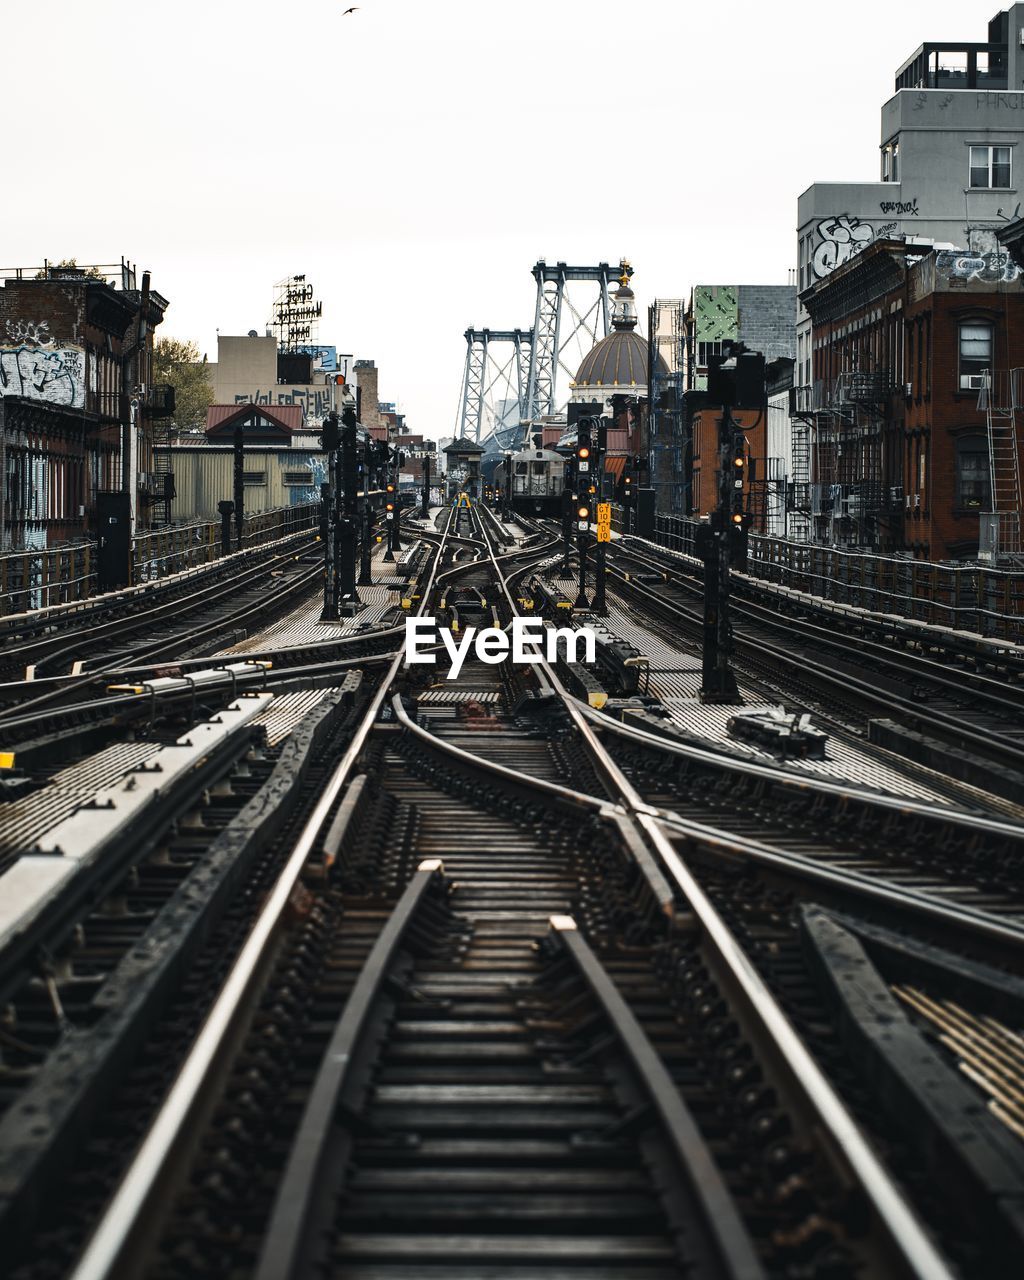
(414, 159)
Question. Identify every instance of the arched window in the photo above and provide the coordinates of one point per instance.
(975, 353)
(973, 489)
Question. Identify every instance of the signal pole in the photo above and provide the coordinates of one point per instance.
(345, 555)
(329, 518)
(599, 605)
(425, 502)
(397, 461)
(737, 380)
(365, 576)
(585, 472)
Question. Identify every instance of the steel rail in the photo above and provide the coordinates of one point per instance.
(993, 746)
(975, 824)
(286, 1246)
(824, 1110)
(967, 922)
(205, 594)
(728, 1233)
(29, 620)
(118, 1232)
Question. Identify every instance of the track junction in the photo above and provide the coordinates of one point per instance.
(316, 963)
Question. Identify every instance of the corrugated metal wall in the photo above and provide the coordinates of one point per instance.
(204, 476)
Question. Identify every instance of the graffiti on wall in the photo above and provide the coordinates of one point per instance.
(842, 238)
(299, 495)
(56, 375)
(993, 268)
(316, 402)
(900, 207)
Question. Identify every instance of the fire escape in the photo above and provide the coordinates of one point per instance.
(850, 496)
(1000, 398)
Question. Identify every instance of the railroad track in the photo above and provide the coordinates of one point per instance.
(488, 1021)
(856, 677)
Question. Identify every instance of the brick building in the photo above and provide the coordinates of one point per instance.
(76, 399)
(763, 318)
(908, 449)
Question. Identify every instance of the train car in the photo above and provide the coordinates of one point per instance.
(538, 481)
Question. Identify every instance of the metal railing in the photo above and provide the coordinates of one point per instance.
(966, 597)
(38, 578)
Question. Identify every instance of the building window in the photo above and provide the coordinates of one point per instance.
(254, 477)
(705, 350)
(990, 167)
(973, 487)
(303, 478)
(891, 161)
(975, 353)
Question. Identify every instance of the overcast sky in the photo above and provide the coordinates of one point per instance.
(415, 158)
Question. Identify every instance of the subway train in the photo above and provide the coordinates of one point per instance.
(538, 480)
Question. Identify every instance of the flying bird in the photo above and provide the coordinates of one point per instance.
(351, 10)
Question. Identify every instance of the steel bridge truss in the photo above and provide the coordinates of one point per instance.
(567, 324)
(497, 374)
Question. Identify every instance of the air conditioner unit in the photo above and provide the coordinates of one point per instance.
(975, 381)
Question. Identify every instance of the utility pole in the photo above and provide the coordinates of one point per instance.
(425, 495)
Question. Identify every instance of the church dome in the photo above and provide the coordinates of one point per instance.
(620, 360)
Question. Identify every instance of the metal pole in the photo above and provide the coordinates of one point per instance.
(365, 575)
(225, 509)
(425, 497)
(330, 609)
(581, 546)
(346, 527)
(239, 484)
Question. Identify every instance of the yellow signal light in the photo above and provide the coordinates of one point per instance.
(583, 513)
(737, 518)
(583, 452)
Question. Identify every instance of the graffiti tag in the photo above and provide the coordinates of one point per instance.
(992, 99)
(29, 333)
(842, 238)
(315, 403)
(991, 267)
(54, 376)
(900, 207)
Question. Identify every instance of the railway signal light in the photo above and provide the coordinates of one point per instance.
(583, 512)
(331, 432)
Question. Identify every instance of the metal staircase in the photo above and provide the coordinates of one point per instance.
(800, 509)
(1000, 398)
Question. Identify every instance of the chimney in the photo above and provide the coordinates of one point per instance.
(366, 378)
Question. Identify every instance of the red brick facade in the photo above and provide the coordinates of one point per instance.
(899, 444)
(706, 461)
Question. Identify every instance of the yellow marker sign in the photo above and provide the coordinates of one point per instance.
(604, 513)
(604, 533)
(463, 500)
(6, 759)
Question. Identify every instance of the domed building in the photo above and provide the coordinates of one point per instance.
(619, 364)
